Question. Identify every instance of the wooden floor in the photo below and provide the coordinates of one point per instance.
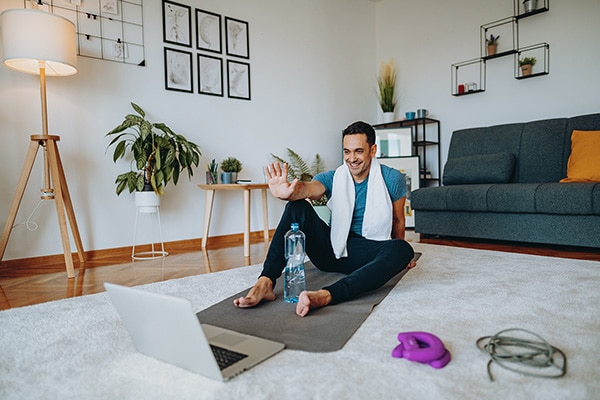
(33, 284)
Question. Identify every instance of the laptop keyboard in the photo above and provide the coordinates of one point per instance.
(225, 357)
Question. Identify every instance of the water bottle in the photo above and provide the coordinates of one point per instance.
(294, 281)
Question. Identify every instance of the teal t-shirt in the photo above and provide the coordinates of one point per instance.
(394, 181)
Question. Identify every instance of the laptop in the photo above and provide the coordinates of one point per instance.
(166, 328)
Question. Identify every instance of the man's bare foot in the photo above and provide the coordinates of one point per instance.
(261, 291)
(310, 300)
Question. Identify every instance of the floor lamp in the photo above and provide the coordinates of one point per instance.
(44, 44)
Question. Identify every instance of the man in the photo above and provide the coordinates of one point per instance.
(367, 203)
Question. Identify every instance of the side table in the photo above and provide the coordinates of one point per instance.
(247, 188)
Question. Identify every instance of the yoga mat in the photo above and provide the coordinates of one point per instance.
(322, 330)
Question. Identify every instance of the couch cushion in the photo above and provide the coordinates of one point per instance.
(576, 198)
(481, 168)
(542, 150)
(468, 197)
(512, 198)
(584, 161)
(429, 198)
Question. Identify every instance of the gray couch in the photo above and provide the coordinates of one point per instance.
(502, 182)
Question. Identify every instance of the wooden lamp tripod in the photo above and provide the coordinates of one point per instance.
(37, 42)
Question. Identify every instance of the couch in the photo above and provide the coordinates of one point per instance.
(503, 182)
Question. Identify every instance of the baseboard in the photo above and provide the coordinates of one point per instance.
(123, 254)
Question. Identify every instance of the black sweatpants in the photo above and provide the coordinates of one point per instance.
(369, 265)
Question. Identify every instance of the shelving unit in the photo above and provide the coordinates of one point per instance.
(541, 52)
(504, 27)
(422, 139)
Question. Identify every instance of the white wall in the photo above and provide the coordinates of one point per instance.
(311, 64)
(426, 37)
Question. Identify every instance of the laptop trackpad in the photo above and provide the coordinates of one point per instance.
(228, 339)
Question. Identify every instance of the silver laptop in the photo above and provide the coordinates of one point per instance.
(166, 328)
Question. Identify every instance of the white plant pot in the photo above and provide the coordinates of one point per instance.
(388, 117)
(147, 202)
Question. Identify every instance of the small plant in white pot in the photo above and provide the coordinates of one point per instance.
(159, 154)
(386, 83)
(231, 167)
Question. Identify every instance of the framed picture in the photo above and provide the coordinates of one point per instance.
(394, 142)
(409, 166)
(210, 75)
(236, 37)
(208, 31)
(178, 70)
(177, 23)
(238, 80)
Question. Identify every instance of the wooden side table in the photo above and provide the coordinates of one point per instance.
(247, 188)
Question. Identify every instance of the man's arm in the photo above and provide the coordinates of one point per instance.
(398, 220)
(290, 191)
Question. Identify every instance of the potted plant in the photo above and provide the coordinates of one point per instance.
(386, 83)
(159, 154)
(529, 5)
(230, 167)
(299, 169)
(492, 44)
(526, 65)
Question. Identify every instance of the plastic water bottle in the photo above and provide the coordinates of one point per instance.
(294, 280)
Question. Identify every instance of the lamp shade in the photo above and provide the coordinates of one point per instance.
(33, 38)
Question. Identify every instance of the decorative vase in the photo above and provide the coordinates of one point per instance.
(147, 202)
(526, 69)
(229, 177)
(388, 117)
(530, 5)
(491, 49)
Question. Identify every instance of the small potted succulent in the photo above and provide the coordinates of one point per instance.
(231, 167)
(526, 65)
(492, 44)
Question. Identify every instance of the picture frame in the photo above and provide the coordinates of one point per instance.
(409, 166)
(177, 23)
(238, 80)
(237, 41)
(396, 142)
(178, 70)
(208, 31)
(210, 75)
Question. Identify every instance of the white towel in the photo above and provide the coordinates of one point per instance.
(377, 222)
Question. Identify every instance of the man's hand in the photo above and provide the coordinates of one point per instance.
(278, 182)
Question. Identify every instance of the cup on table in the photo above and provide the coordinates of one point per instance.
(410, 115)
(422, 113)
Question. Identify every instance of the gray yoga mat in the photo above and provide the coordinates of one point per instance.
(322, 330)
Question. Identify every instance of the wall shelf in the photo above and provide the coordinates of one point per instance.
(520, 12)
(541, 52)
(469, 77)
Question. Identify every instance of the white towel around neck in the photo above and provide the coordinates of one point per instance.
(377, 221)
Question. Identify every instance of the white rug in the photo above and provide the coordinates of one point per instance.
(77, 348)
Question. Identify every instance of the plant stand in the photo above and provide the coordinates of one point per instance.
(153, 211)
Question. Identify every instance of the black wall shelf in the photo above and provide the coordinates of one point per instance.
(467, 73)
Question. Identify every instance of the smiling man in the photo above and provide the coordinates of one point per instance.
(366, 238)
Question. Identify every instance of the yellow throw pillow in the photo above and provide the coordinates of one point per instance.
(584, 161)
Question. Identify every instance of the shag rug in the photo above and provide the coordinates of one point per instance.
(78, 348)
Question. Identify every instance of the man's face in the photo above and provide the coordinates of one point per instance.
(358, 155)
